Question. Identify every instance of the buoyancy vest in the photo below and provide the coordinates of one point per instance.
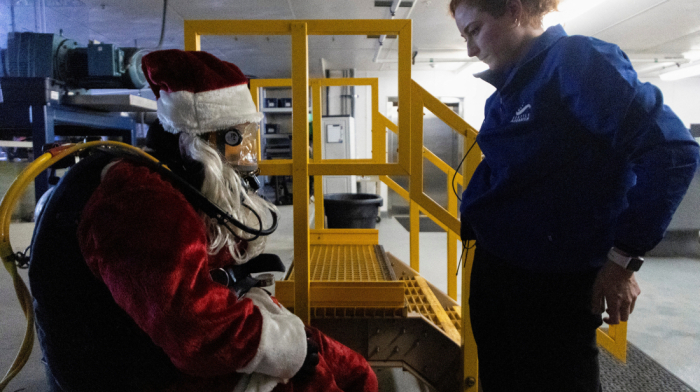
(89, 343)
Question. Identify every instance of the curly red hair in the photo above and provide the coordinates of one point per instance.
(534, 10)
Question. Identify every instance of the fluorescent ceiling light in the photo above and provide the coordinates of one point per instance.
(682, 73)
(569, 10)
(692, 55)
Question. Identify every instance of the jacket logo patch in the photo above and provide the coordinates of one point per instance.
(523, 114)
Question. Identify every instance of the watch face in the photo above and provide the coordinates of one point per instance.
(635, 264)
(233, 138)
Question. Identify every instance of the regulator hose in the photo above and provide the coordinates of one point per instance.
(9, 201)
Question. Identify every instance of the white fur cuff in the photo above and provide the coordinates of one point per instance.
(282, 348)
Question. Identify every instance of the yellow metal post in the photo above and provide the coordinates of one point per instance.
(277, 167)
(319, 213)
(192, 37)
(414, 234)
(415, 187)
(255, 94)
(405, 94)
(378, 128)
(300, 162)
(452, 239)
(615, 340)
(471, 363)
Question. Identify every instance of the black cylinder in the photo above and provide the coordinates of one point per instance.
(352, 210)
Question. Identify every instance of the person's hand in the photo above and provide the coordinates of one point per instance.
(308, 368)
(618, 288)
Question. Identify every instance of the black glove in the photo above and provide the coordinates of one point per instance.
(308, 368)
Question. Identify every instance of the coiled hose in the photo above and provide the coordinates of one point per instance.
(9, 258)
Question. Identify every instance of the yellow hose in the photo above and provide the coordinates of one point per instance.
(9, 201)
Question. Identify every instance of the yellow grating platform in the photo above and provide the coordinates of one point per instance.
(344, 263)
(417, 302)
(348, 281)
(455, 314)
(418, 299)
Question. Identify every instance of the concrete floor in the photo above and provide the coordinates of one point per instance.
(665, 323)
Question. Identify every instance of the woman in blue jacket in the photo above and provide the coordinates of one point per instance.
(583, 168)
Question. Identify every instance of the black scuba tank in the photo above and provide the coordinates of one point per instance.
(89, 343)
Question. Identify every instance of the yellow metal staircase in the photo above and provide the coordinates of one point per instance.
(364, 313)
(377, 305)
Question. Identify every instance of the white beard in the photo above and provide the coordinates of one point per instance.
(223, 187)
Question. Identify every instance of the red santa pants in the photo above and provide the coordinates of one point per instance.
(339, 369)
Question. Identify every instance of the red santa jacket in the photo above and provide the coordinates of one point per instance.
(149, 246)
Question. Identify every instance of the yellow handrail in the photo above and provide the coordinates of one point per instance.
(445, 218)
(8, 204)
(424, 204)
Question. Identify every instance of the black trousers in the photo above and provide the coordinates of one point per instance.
(534, 331)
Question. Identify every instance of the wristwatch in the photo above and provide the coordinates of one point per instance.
(630, 263)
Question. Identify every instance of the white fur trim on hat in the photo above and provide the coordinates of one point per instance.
(206, 111)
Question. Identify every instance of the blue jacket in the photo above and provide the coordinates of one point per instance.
(579, 155)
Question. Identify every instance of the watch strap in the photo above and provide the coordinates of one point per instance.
(627, 262)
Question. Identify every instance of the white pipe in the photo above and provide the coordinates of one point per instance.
(429, 60)
(394, 6)
(392, 10)
(658, 59)
(682, 73)
(410, 10)
(43, 16)
(379, 49)
(660, 66)
(37, 23)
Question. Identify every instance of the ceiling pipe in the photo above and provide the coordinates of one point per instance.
(39, 16)
(392, 10)
(12, 13)
(682, 72)
(394, 6)
(657, 59)
(428, 61)
(661, 65)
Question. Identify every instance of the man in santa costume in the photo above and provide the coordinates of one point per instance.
(154, 251)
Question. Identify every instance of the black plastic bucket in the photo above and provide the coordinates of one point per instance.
(352, 210)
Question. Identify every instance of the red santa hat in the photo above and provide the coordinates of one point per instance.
(198, 93)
